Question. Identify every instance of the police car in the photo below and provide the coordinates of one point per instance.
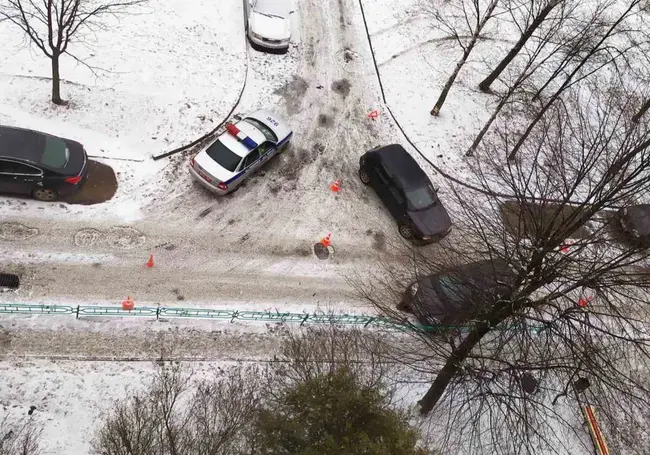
(240, 151)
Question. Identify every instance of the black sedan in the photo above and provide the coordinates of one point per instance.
(406, 191)
(38, 164)
(459, 294)
(635, 221)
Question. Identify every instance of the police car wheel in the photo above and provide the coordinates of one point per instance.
(364, 176)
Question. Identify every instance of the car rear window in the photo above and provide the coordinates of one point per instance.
(265, 130)
(225, 157)
(55, 153)
(420, 198)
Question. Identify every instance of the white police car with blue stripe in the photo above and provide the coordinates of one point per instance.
(240, 151)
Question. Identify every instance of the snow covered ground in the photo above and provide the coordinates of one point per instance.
(72, 397)
(250, 250)
(176, 70)
(162, 76)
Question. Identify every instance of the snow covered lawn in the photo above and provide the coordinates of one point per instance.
(164, 75)
(71, 397)
(415, 60)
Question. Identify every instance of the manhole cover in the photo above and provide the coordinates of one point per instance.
(350, 61)
(9, 280)
(125, 238)
(323, 252)
(86, 237)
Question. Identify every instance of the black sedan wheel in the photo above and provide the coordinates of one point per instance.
(405, 231)
(45, 194)
(364, 176)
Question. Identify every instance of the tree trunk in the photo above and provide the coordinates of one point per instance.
(641, 111)
(477, 140)
(445, 90)
(485, 84)
(476, 33)
(56, 80)
(450, 369)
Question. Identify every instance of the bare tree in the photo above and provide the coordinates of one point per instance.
(222, 412)
(176, 416)
(53, 25)
(463, 21)
(565, 44)
(537, 13)
(535, 59)
(608, 37)
(315, 351)
(571, 304)
(19, 438)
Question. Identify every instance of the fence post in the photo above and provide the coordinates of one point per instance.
(234, 316)
(77, 311)
(370, 321)
(304, 319)
(158, 313)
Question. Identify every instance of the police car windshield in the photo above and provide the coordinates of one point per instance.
(223, 156)
(265, 130)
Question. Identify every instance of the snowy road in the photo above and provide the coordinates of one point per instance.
(255, 245)
(119, 340)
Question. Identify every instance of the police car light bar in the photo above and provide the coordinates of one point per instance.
(248, 142)
(241, 136)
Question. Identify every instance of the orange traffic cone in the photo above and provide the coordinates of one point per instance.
(584, 301)
(373, 114)
(128, 304)
(150, 261)
(326, 241)
(336, 186)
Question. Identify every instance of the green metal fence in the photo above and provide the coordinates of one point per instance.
(89, 311)
(83, 311)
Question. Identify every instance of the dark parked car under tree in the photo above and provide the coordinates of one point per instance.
(406, 191)
(41, 165)
(457, 295)
(635, 221)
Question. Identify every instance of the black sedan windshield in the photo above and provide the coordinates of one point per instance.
(420, 198)
(225, 157)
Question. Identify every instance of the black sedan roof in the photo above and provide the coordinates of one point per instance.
(21, 144)
(402, 167)
(452, 294)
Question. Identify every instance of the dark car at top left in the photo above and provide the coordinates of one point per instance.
(43, 166)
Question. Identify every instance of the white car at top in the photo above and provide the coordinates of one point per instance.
(268, 24)
(241, 150)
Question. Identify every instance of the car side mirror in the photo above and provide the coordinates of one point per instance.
(237, 117)
(291, 12)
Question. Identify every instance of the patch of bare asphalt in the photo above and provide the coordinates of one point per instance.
(293, 92)
(325, 120)
(100, 186)
(342, 87)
